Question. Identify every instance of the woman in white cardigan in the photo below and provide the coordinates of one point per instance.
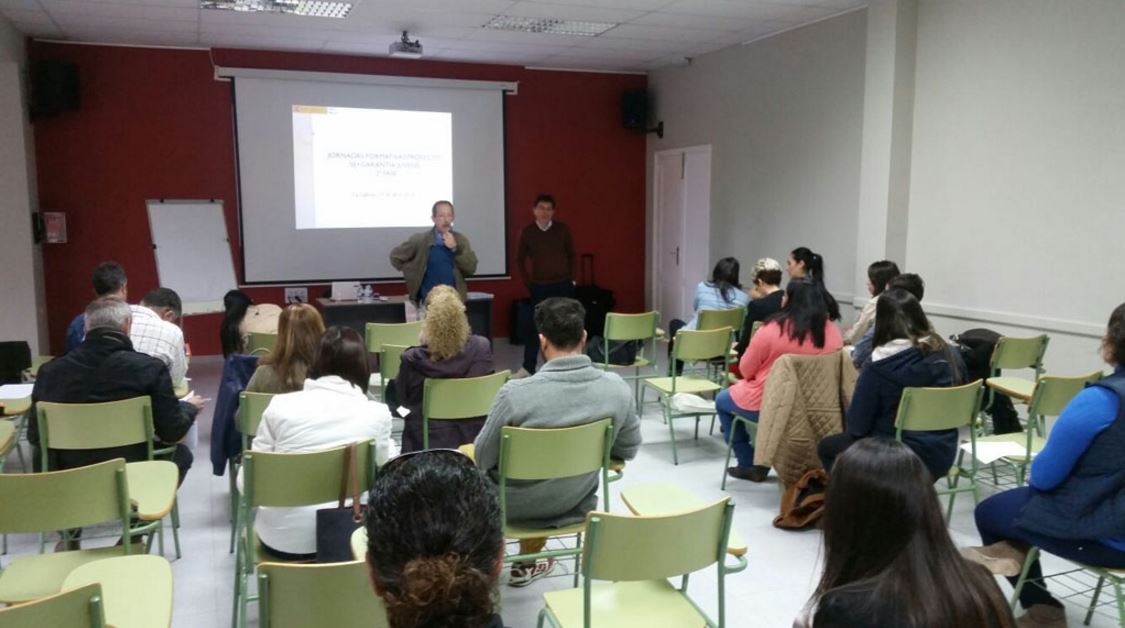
(331, 411)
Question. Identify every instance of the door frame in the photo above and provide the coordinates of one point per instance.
(700, 218)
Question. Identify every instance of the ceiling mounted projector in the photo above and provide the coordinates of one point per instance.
(406, 48)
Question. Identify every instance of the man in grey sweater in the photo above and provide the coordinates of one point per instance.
(567, 391)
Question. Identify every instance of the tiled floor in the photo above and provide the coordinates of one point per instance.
(769, 593)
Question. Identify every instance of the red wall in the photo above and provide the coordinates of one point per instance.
(155, 124)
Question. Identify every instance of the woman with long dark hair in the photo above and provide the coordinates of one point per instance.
(722, 292)
(802, 263)
(878, 274)
(802, 327)
(434, 543)
(907, 353)
(240, 317)
(1073, 505)
(888, 560)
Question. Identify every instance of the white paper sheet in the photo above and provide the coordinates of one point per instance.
(991, 452)
(16, 391)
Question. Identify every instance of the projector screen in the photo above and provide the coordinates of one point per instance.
(333, 174)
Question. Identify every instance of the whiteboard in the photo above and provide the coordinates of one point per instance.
(192, 251)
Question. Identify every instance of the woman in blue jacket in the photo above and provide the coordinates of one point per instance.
(1075, 504)
(907, 353)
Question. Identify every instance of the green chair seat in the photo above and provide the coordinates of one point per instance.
(13, 407)
(517, 532)
(655, 499)
(684, 384)
(152, 488)
(1015, 387)
(31, 577)
(625, 605)
(7, 436)
(136, 590)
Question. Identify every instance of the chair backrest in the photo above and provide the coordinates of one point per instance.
(250, 408)
(59, 500)
(335, 594)
(934, 409)
(77, 608)
(702, 344)
(1019, 353)
(626, 548)
(390, 360)
(543, 454)
(715, 319)
(379, 334)
(36, 362)
(302, 479)
(1053, 393)
(754, 328)
(259, 342)
(631, 326)
(94, 425)
(462, 398)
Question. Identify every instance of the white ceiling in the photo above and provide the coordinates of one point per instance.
(651, 34)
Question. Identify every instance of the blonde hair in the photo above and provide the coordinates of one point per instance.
(298, 332)
(446, 328)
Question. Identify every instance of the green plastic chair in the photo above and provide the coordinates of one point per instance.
(937, 409)
(692, 346)
(60, 500)
(547, 454)
(137, 590)
(717, 319)
(637, 555)
(81, 426)
(336, 594)
(404, 334)
(390, 361)
(77, 608)
(7, 440)
(33, 371)
(250, 409)
(259, 343)
(455, 399)
(285, 481)
(1015, 353)
(631, 327)
(1116, 578)
(1051, 395)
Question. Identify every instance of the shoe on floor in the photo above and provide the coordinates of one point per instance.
(1002, 559)
(1042, 616)
(756, 473)
(523, 574)
(520, 374)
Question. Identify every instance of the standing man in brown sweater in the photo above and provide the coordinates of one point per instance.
(550, 249)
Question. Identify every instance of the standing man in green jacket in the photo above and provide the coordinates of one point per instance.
(548, 246)
(438, 256)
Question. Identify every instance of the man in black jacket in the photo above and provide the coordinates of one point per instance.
(106, 368)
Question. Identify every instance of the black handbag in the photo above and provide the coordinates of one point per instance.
(334, 526)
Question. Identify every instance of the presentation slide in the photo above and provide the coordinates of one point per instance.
(335, 171)
(369, 168)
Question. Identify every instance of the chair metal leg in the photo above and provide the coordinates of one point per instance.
(671, 431)
(1094, 601)
(231, 471)
(175, 529)
(711, 432)
(726, 465)
(577, 559)
(1032, 556)
(697, 427)
(1120, 602)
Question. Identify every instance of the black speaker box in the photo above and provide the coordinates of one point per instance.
(54, 88)
(634, 109)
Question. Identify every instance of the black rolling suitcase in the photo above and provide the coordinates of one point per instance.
(598, 301)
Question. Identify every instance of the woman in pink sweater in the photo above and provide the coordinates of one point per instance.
(802, 327)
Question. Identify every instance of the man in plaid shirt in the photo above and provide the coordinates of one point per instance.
(154, 331)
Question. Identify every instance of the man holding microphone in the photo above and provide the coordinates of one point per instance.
(439, 256)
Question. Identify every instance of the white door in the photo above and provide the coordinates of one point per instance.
(668, 209)
(682, 213)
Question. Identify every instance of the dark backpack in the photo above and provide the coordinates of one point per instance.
(621, 352)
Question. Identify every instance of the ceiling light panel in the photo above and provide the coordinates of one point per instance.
(306, 8)
(549, 26)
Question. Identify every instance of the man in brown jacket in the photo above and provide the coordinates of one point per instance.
(547, 244)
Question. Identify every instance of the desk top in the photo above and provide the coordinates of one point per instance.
(390, 300)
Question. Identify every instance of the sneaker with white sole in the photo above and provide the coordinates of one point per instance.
(523, 574)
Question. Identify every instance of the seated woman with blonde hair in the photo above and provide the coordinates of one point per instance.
(448, 350)
(283, 369)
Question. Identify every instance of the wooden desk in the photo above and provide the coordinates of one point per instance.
(392, 309)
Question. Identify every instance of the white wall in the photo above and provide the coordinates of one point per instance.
(22, 314)
(784, 117)
(1017, 202)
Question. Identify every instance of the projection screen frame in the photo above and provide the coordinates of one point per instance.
(507, 88)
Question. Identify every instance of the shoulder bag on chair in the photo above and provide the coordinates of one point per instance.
(334, 526)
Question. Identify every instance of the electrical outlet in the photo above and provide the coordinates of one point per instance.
(296, 295)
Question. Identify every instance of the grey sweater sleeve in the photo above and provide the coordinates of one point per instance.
(627, 440)
(487, 444)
